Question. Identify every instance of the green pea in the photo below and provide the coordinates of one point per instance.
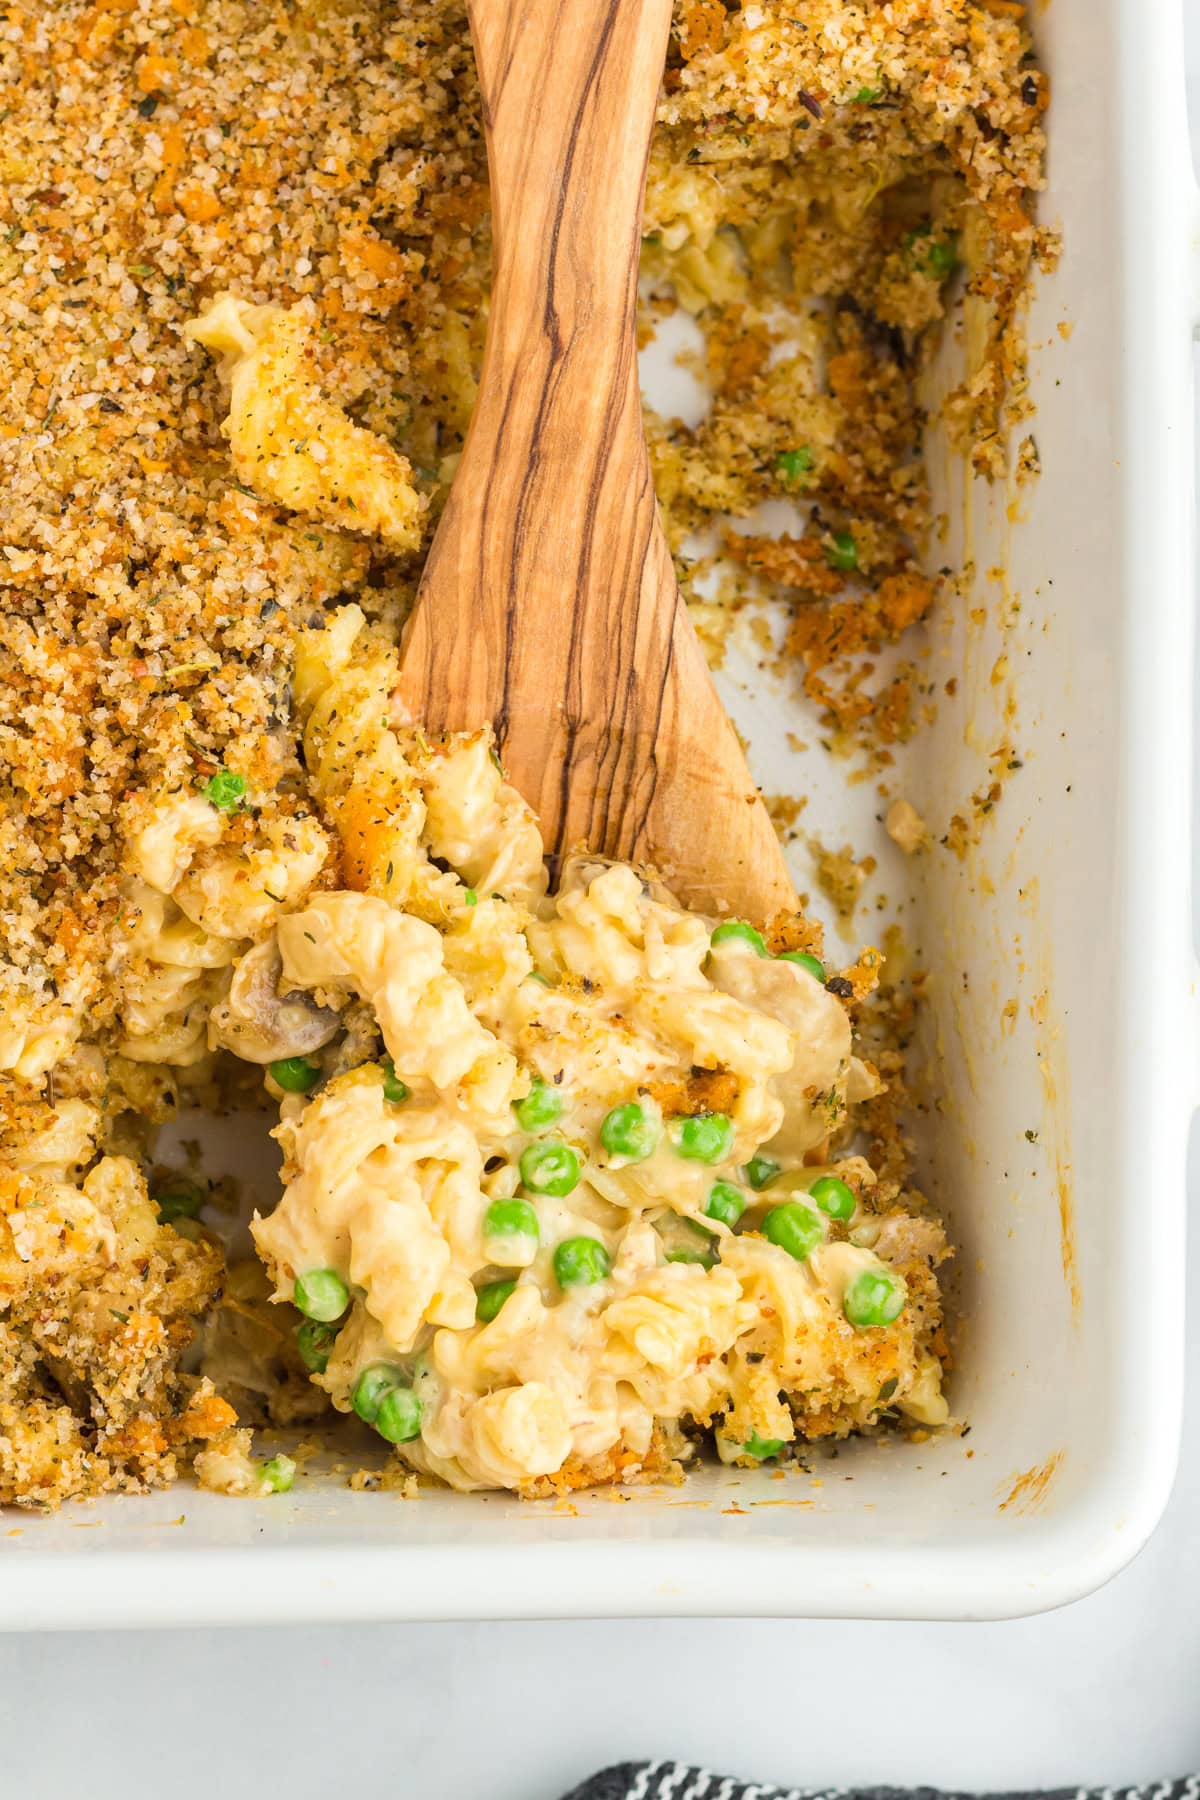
(842, 553)
(491, 1298)
(225, 790)
(182, 1200)
(631, 1131)
(278, 1475)
(835, 1199)
(550, 1168)
(932, 256)
(706, 1138)
(394, 1089)
(470, 897)
(761, 1448)
(541, 1106)
(737, 931)
(683, 1253)
(580, 1261)
(510, 1232)
(795, 1227)
(792, 464)
(761, 1171)
(866, 96)
(725, 1202)
(803, 960)
(314, 1341)
(295, 1074)
(398, 1418)
(873, 1298)
(508, 1217)
(321, 1294)
(372, 1387)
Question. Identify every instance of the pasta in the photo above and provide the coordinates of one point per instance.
(288, 439)
(488, 1145)
(192, 902)
(36, 1033)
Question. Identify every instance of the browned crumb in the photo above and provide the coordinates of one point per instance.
(784, 810)
(392, 1478)
(965, 830)
(795, 931)
(660, 1464)
(840, 876)
(1029, 463)
(905, 826)
(703, 1091)
(863, 973)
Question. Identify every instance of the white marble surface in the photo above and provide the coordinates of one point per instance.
(1106, 1691)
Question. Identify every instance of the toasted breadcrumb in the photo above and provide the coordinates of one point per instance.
(393, 1478)
(840, 876)
(905, 826)
(618, 1467)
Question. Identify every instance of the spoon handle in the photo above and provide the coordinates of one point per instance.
(569, 94)
(549, 603)
(555, 463)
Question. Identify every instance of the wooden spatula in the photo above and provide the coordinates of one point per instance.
(549, 604)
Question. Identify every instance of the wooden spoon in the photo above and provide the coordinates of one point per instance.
(549, 604)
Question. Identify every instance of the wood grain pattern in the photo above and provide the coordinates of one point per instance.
(549, 603)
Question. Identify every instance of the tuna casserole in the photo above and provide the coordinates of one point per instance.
(572, 1184)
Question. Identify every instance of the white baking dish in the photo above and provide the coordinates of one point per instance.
(1076, 906)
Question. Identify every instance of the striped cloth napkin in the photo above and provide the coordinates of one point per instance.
(683, 1781)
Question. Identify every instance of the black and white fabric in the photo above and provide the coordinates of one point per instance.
(683, 1781)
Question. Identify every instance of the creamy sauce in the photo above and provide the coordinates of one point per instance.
(606, 993)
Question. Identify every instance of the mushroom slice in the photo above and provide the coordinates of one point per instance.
(260, 1024)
